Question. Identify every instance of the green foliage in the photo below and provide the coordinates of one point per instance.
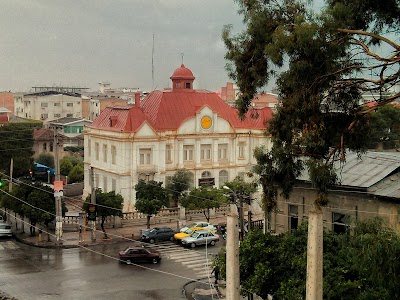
(204, 199)
(385, 128)
(46, 159)
(65, 166)
(108, 204)
(74, 149)
(76, 174)
(35, 202)
(17, 143)
(179, 185)
(76, 160)
(150, 198)
(242, 189)
(318, 62)
(358, 266)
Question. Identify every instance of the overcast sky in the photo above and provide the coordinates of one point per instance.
(80, 43)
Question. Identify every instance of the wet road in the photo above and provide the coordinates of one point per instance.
(33, 273)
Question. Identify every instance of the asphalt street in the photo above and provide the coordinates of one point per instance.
(28, 272)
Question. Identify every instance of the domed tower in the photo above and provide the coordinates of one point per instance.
(182, 79)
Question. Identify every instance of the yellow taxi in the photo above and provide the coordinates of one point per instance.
(189, 231)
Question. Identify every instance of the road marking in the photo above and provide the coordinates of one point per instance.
(11, 245)
(1, 247)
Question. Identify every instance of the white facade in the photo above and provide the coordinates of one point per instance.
(121, 159)
(48, 106)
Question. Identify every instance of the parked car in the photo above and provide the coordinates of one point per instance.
(181, 235)
(205, 225)
(158, 234)
(5, 230)
(201, 237)
(139, 254)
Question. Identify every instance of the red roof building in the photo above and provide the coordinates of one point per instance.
(169, 130)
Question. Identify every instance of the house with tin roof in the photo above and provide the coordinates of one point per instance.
(368, 186)
(168, 130)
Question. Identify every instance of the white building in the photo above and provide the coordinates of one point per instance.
(169, 130)
(48, 105)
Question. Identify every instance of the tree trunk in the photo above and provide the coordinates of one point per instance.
(103, 218)
(207, 216)
(32, 229)
(148, 221)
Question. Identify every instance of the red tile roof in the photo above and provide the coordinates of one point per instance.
(168, 110)
(43, 134)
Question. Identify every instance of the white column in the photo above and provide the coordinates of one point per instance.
(232, 258)
(314, 255)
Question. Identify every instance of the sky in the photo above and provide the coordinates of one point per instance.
(81, 43)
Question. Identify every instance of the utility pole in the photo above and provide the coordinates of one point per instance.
(314, 255)
(11, 175)
(232, 258)
(57, 195)
(93, 201)
(240, 209)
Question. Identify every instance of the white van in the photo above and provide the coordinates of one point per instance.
(5, 230)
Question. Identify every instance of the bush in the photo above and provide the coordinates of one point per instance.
(76, 174)
(46, 159)
(65, 166)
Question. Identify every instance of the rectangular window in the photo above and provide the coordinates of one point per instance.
(222, 151)
(96, 150)
(70, 104)
(145, 156)
(57, 115)
(293, 217)
(113, 154)
(168, 154)
(188, 151)
(57, 104)
(187, 85)
(44, 116)
(114, 184)
(242, 147)
(105, 153)
(70, 115)
(205, 152)
(44, 104)
(44, 146)
(341, 223)
(105, 184)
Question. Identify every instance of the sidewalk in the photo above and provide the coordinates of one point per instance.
(198, 290)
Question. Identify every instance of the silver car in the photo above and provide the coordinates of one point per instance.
(5, 230)
(200, 237)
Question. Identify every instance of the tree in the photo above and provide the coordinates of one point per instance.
(65, 166)
(204, 199)
(319, 61)
(46, 159)
(385, 128)
(76, 174)
(179, 185)
(17, 143)
(360, 265)
(150, 198)
(35, 202)
(107, 204)
(242, 189)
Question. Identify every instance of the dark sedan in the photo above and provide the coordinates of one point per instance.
(158, 234)
(135, 254)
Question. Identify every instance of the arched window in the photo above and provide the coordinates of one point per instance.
(51, 147)
(223, 177)
(44, 146)
(206, 174)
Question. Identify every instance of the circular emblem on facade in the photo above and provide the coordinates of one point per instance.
(206, 122)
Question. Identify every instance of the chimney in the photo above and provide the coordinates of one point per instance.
(137, 99)
(113, 121)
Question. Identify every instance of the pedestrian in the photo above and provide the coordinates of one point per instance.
(216, 273)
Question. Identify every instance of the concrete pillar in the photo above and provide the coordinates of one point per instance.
(212, 212)
(314, 255)
(182, 212)
(232, 258)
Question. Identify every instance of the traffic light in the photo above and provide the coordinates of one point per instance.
(91, 212)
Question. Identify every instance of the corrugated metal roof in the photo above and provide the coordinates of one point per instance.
(370, 171)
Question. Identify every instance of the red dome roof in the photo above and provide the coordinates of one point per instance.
(182, 73)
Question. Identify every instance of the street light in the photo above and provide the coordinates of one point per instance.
(235, 196)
